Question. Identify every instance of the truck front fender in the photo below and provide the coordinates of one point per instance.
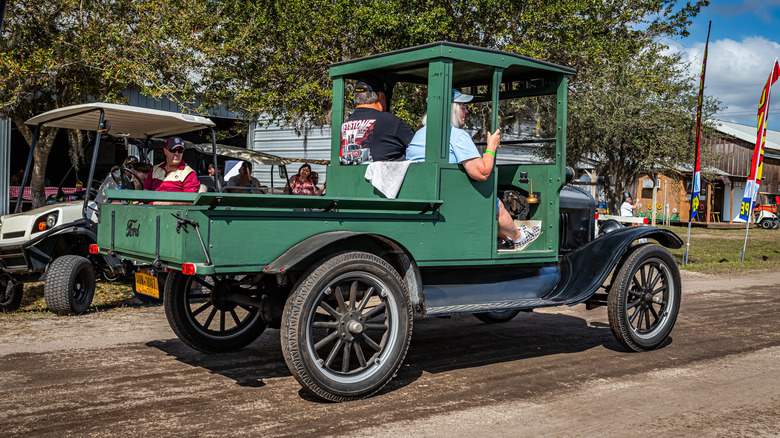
(585, 269)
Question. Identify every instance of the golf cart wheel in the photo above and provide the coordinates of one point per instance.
(766, 224)
(644, 299)
(202, 315)
(10, 294)
(497, 316)
(70, 285)
(346, 327)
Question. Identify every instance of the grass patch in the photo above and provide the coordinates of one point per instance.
(107, 295)
(717, 251)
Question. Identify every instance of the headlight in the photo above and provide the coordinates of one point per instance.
(43, 223)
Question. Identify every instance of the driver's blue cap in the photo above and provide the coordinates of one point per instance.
(459, 97)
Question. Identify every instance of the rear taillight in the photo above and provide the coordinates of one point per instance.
(93, 249)
(188, 269)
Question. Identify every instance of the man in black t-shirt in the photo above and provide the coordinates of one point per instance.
(370, 126)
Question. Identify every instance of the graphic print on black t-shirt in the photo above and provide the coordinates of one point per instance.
(357, 132)
(384, 134)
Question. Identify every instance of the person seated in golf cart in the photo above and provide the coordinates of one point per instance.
(173, 175)
(244, 182)
(478, 167)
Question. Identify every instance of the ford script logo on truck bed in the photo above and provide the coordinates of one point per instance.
(132, 230)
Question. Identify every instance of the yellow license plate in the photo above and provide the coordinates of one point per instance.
(146, 284)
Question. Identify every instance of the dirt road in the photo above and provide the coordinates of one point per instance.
(556, 372)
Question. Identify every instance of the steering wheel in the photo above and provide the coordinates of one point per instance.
(124, 177)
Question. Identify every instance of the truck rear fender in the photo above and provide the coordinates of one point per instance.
(309, 251)
(585, 269)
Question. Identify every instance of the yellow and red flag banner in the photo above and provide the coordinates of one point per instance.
(756, 165)
(696, 183)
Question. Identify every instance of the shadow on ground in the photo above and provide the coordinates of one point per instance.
(438, 345)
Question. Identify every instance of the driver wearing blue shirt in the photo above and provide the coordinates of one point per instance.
(478, 166)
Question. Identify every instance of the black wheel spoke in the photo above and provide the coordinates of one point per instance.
(201, 308)
(376, 326)
(330, 310)
(373, 312)
(210, 318)
(340, 299)
(639, 316)
(235, 317)
(353, 294)
(332, 325)
(247, 308)
(633, 304)
(359, 353)
(345, 357)
(366, 297)
(198, 296)
(655, 314)
(650, 274)
(202, 282)
(333, 353)
(633, 317)
(324, 341)
(372, 344)
(655, 280)
(222, 320)
(642, 277)
(660, 289)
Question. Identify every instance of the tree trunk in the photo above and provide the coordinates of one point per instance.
(40, 160)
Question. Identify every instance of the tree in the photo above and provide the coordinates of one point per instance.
(55, 53)
(271, 56)
(634, 116)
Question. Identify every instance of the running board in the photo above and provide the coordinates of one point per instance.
(491, 307)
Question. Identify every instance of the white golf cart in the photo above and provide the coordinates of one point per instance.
(51, 243)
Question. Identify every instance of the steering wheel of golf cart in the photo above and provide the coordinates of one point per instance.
(123, 177)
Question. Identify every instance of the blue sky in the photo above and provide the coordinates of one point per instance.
(744, 43)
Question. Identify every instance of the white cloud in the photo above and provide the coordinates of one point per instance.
(736, 74)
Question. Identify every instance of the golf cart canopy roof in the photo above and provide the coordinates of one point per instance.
(126, 121)
(254, 156)
(243, 154)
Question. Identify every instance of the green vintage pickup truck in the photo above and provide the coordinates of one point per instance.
(342, 276)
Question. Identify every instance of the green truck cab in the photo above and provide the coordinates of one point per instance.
(342, 276)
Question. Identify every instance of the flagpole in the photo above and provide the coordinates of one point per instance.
(696, 177)
(747, 228)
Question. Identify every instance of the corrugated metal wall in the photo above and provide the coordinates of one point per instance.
(137, 99)
(5, 163)
(280, 139)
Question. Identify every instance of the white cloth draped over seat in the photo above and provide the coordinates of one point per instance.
(387, 176)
